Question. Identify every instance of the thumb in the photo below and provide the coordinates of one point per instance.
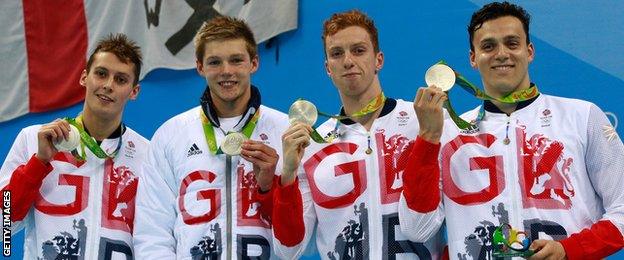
(537, 245)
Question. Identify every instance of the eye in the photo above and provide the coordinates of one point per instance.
(121, 80)
(335, 53)
(487, 47)
(359, 50)
(513, 44)
(100, 73)
(213, 62)
(236, 60)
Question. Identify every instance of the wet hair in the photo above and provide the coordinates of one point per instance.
(125, 49)
(223, 28)
(340, 21)
(496, 10)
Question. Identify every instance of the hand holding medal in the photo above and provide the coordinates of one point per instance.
(440, 73)
(509, 242)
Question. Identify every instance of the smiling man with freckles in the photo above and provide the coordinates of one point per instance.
(80, 203)
(204, 200)
(544, 165)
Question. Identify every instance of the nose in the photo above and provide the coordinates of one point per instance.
(227, 70)
(502, 53)
(108, 84)
(348, 61)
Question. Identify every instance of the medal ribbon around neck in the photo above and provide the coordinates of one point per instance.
(372, 106)
(511, 98)
(210, 135)
(90, 142)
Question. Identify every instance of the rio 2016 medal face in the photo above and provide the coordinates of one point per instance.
(440, 75)
(302, 111)
(232, 143)
(71, 143)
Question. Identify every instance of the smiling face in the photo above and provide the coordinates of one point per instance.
(227, 68)
(109, 84)
(352, 62)
(502, 55)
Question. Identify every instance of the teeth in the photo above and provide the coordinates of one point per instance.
(227, 83)
(105, 98)
(502, 67)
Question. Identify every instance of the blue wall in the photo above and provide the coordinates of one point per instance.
(578, 54)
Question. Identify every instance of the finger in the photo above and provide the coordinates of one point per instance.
(537, 244)
(292, 129)
(298, 134)
(251, 145)
(58, 133)
(435, 100)
(419, 94)
(259, 154)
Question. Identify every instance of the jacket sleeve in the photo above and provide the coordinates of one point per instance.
(421, 212)
(155, 207)
(22, 175)
(604, 157)
(293, 218)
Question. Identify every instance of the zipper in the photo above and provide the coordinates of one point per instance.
(512, 163)
(375, 191)
(228, 202)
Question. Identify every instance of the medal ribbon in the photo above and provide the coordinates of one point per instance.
(511, 98)
(372, 106)
(90, 142)
(210, 135)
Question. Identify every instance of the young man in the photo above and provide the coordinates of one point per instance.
(73, 207)
(350, 187)
(200, 203)
(543, 164)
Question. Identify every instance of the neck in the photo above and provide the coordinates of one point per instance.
(232, 108)
(508, 108)
(100, 128)
(353, 104)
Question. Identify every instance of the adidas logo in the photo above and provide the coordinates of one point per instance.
(193, 150)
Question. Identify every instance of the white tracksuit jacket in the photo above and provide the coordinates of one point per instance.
(82, 210)
(196, 205)
(352, 197)
(561, 171)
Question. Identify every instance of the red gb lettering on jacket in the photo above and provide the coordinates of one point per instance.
(213, 195)
(392, 154)
(81, 193)
(543, 171)
(118, 197)
(357, 169)
(248, 209)
(493, 165)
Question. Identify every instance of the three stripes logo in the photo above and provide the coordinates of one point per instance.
(193, 150)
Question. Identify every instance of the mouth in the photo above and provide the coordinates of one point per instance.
(105, 98)
(503, 68)
(227, 83)
(350, 75)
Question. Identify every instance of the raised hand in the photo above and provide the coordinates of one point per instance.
(264, 160)
(294, 141)
(428, 106)
(48, 134)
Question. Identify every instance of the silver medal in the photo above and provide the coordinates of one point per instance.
(232, 143)
(302, 111)
(71, 143)
(440, 75)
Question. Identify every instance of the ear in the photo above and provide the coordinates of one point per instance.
(531, 51)
(135, 92)
(83, 78)
(199, 66)
(329, 73)
(255, 62)
(379, 61)
(473, 63)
